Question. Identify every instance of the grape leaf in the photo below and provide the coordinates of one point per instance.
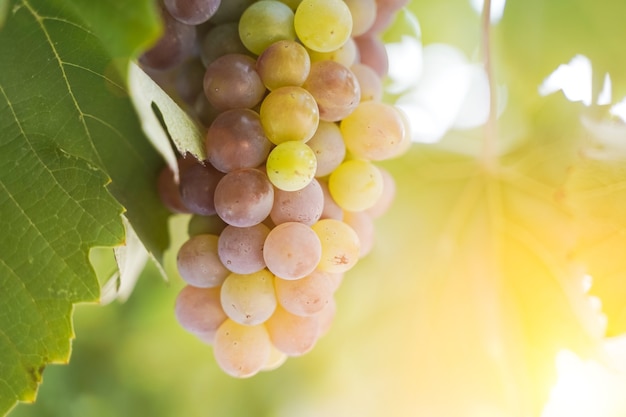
(184, 132)
(67, 129)
(474, 292)
(596, 193)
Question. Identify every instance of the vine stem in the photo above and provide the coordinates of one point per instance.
(489, 156)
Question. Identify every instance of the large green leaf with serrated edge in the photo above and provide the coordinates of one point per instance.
(72, 159)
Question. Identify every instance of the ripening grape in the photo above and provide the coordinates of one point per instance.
(249, 298)
(363, 15)
(328, 146)
(305, 296)
(169, 192)
(266, 22)
(323, 25)
(192, 12)
(374, 131)
(282, 64)
(289, 114)
(231, 81)
(199, 311)
(244, 197)
(230, 11)
(241, 351)
(189, 80)
(340, 245)
(174, 45)
(292, 250)
(325, 317)
(363, 224)
(369, 81)
(356, 185)
(199, 264)
(331, 208)
(291, 334)
(237, 140)
(372, 53)
(212, 225)
(291, 166)
(240, 249)
(346, 55)
(335, 89)
(219, 41)
(304, 206)
(197, 184)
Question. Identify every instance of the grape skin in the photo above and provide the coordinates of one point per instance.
(249, 299)
(241, 351)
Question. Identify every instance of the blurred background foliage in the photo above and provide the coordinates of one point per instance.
(133, 359)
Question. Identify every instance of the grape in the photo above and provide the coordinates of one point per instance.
(276, 359)
(291, 166)
(241, 248)
(241, 351)
(293, 4)
(199, 264)
(323, 25)
(329, 148)
(289, 114)
(283, 63)
(197, 185)
(231, 82)
(363, 15)
(372, 53)
(174, 45)
(212, 225)
(306, 296)
(369, 81)
(192, 12)
(204, 110)
(375, 131)
(325, 317)
(230, 11)
(291, 334)
(356, 185)
(331, 208)
(266, 22)
(346, 55)
(304, 206)
(169, 193)
(389, 192)
(236, 140)
(292, 250)
(361, 222)
(199, 311)
(244, 197)
(219, 41)
(340, 245)
(335, 89)
(249, 299)
(189, 79)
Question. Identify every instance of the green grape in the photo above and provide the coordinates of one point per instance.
(340, 246)
(356, 185)
(266, 22)
(289, 114)
(323, 25)
(291, 166)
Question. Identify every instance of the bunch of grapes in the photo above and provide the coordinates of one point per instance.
(290, 94)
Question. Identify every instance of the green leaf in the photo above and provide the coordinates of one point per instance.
(67, 129)
(183, 131)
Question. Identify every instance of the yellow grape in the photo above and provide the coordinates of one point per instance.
(356, 185)
(340, 246)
